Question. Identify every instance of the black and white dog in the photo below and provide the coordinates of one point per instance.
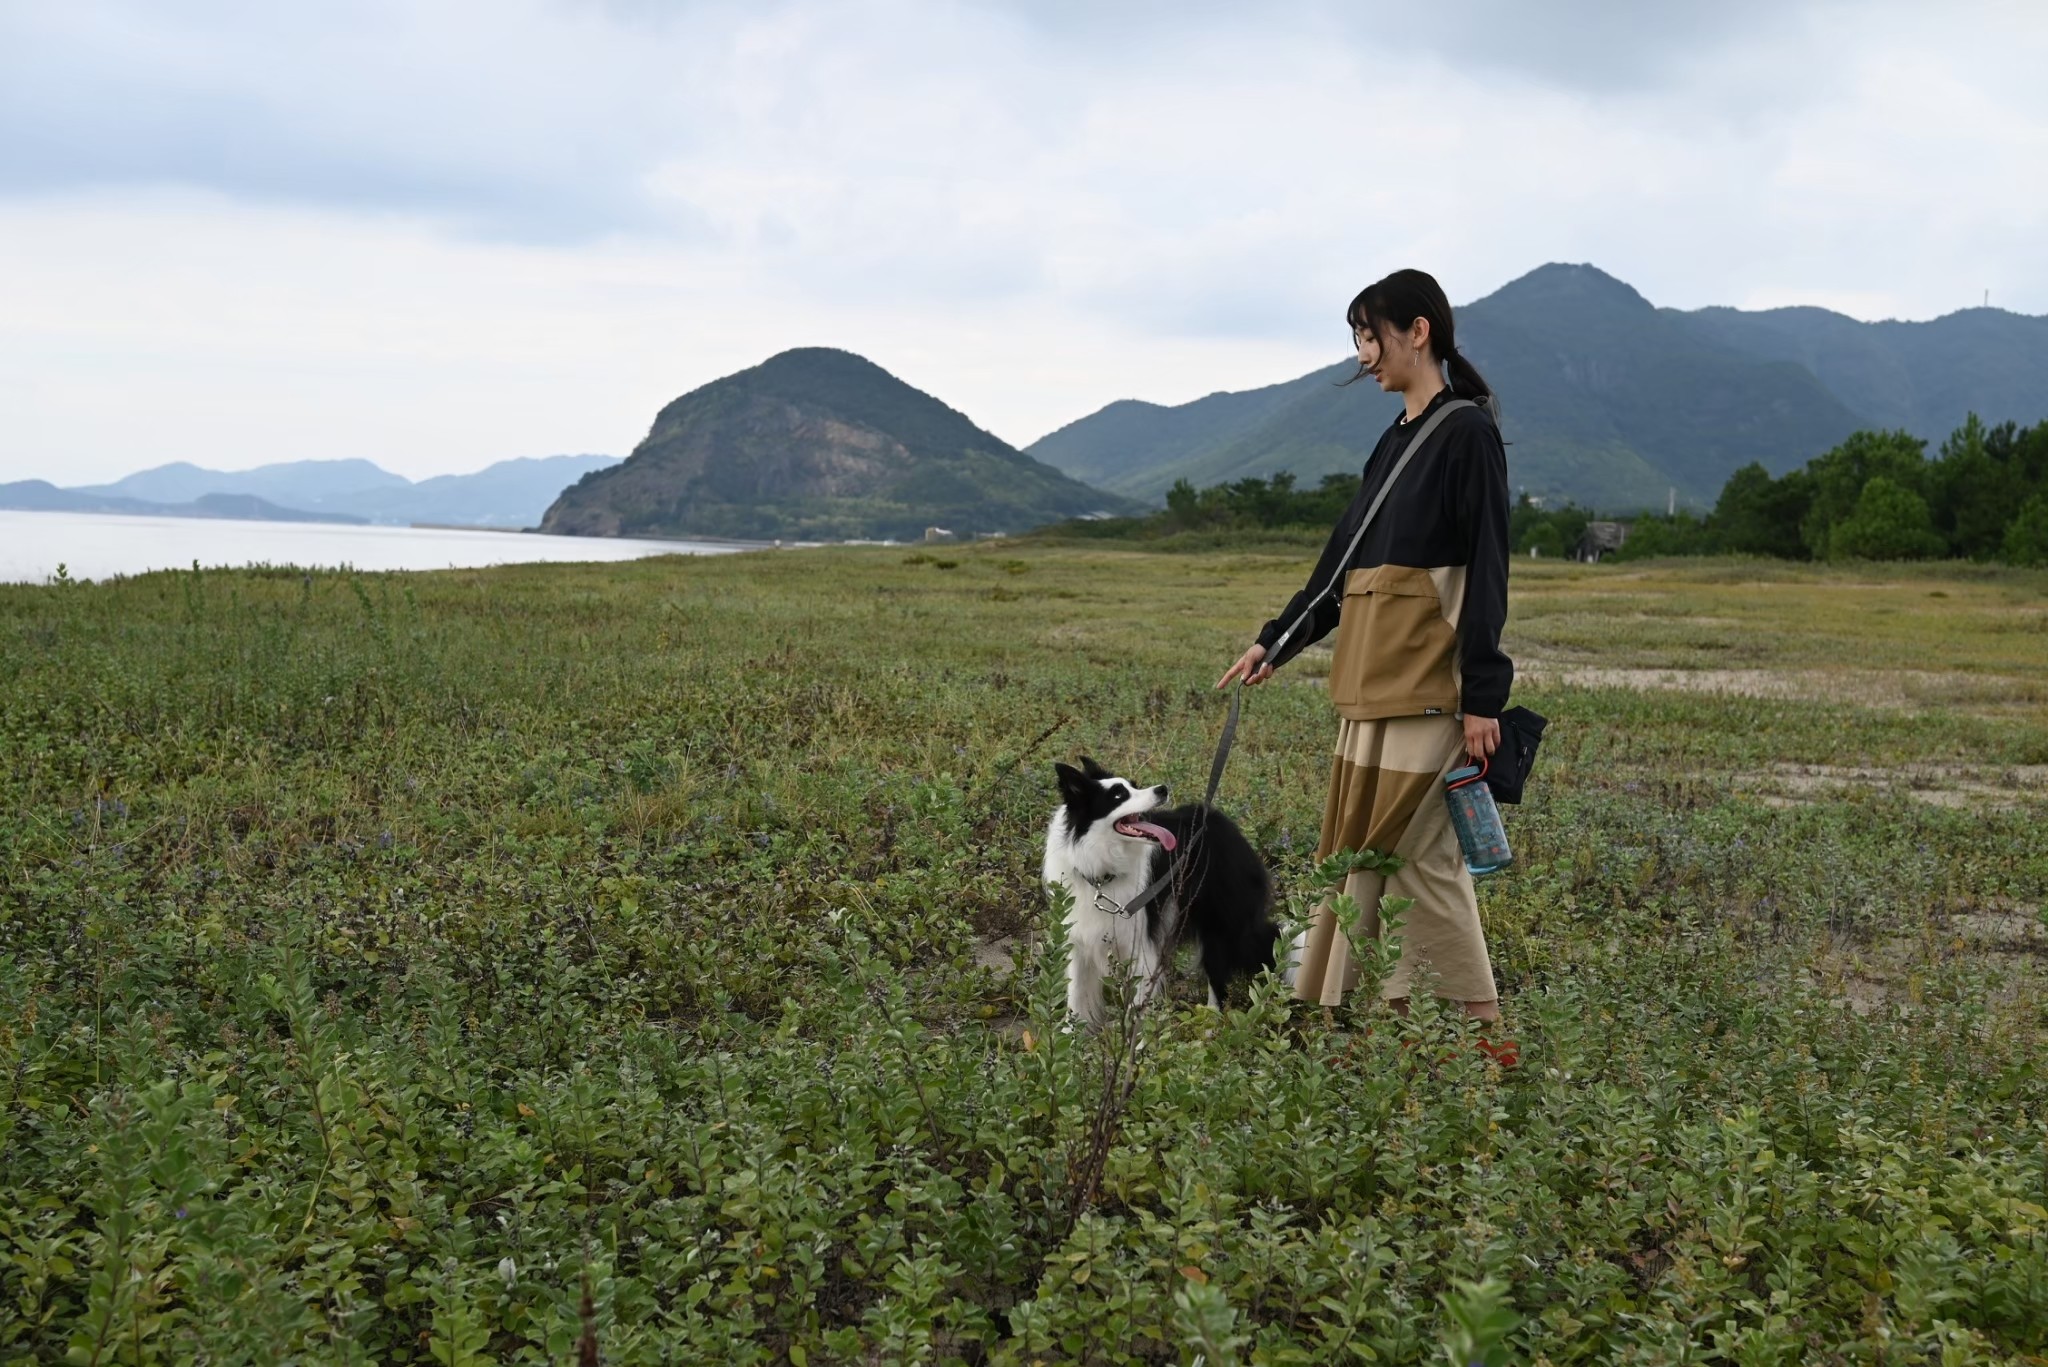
(1108, 841)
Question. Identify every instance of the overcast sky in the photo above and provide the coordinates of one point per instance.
(438, 233)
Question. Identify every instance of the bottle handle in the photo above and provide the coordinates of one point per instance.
(1485, 765)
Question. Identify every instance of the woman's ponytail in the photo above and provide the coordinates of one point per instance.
(1468, 383)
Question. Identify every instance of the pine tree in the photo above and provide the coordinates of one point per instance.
(1890, 522)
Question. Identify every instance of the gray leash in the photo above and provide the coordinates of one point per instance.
(1223, 744)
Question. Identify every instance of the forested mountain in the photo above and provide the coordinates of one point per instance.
(819, 444)
(1608, 400)
(1925, 378)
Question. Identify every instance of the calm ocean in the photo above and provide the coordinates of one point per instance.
(99, 545)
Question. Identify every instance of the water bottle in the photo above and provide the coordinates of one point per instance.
(1476, 818)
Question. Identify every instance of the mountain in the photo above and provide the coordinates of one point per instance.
(1925, 377)
(1607, 399)
(509, 493)
(293, 484)
(1131, 434)
(36, 495)
(818, 444)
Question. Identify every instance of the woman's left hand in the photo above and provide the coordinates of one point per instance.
(1482, 736)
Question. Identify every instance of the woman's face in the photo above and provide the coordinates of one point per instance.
(1393, 361)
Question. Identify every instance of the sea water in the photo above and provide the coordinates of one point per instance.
(100, 545)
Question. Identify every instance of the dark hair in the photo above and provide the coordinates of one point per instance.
(1396, 302)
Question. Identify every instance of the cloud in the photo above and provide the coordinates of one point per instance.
(520, 118)
(1587, 45)
(436, 232)
(189, 327)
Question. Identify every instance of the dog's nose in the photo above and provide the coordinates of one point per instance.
(1162, 790)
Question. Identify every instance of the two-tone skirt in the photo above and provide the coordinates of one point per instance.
(1386, 794)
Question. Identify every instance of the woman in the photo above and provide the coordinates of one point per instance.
(1418, 678)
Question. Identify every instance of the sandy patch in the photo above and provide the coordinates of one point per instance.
(2007, 928)
(1572, 609)
(1938, 785)
(996, 953)
(1904, 689)
(1894, 971)
(1745, 683)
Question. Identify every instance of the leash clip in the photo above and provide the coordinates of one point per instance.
(1104, 902)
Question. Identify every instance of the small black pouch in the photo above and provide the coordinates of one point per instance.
(1521, 731)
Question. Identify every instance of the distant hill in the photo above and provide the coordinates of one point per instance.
(1925, 377)
(1608, 400)
(36, 495)
(291, 484)
(819, 444)
(509, 493)
(1131, 435)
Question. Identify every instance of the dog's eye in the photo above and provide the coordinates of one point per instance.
(1119, 793)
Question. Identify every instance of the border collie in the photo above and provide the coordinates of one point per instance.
(1108, 840)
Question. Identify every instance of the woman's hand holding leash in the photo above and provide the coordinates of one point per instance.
(1248, 669)
(1482, 736)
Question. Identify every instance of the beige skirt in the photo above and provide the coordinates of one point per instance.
(1386, 794)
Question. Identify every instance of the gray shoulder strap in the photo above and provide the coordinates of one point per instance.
(1421, 439)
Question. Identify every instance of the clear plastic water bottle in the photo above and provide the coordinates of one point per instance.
(1476, 818)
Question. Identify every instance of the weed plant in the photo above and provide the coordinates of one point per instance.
(513, 965)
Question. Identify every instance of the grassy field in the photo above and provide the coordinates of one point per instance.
(646, 960)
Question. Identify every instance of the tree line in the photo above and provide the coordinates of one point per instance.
(1876, 496)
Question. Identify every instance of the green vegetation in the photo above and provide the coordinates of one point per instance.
(1877, 497)
(462, 967)
(1224, 514)
(1874, 497)
(1267, 514)
(818, 445)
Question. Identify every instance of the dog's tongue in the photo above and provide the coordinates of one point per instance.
(1132, 826)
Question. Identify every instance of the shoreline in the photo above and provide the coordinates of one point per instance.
(727, 541)
(36, 545)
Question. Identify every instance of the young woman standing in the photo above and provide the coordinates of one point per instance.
(1418, 678)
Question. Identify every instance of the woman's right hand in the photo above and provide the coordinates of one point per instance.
(1249, 667)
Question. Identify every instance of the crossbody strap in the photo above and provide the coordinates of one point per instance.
(1224, 742)
(1421, 439)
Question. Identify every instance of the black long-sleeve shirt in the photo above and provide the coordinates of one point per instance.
(1449, 508)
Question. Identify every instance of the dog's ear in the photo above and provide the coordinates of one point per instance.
(1092, 769)
(1073, 784)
